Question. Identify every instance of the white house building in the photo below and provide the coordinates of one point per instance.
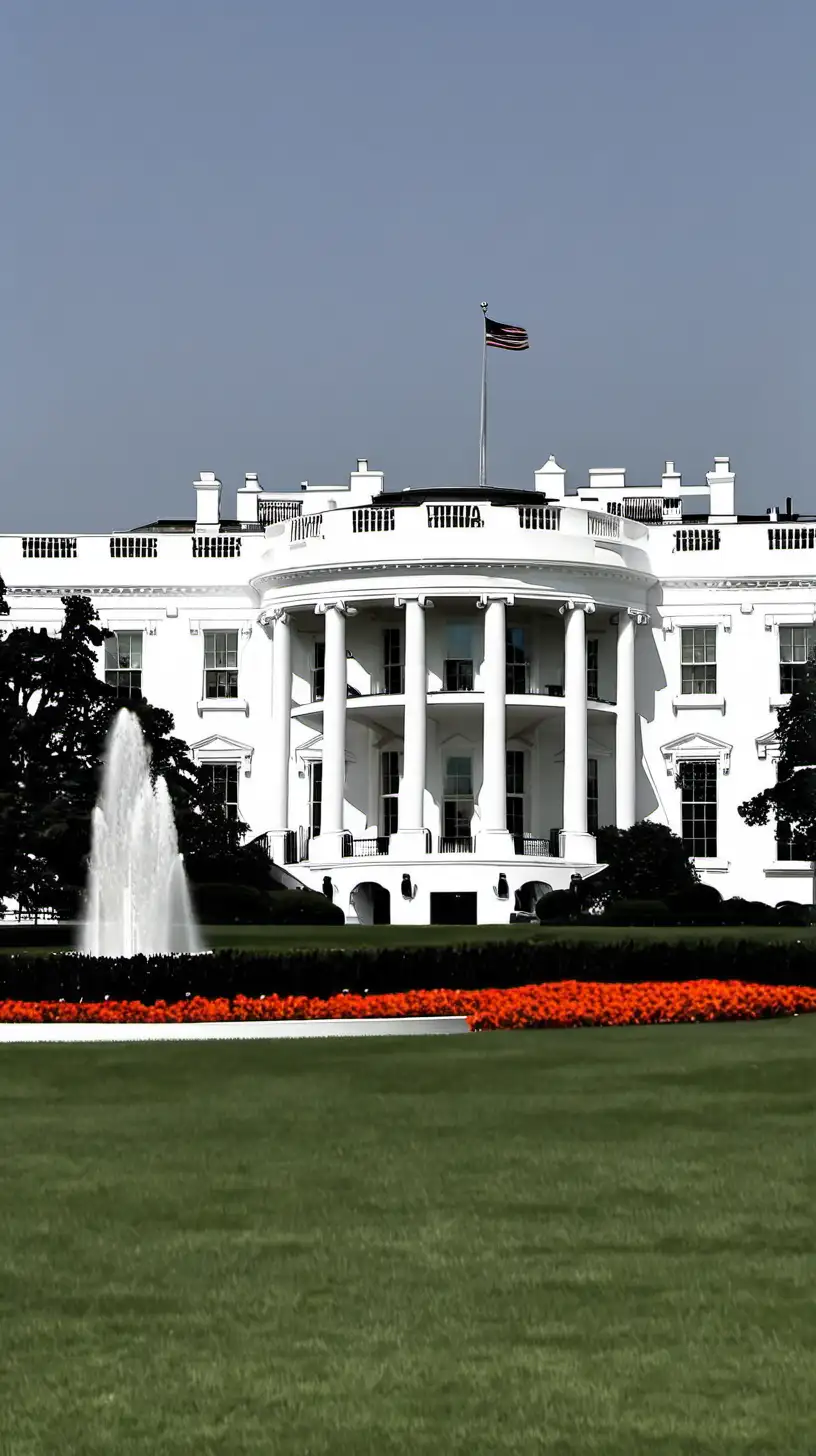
(429, 700)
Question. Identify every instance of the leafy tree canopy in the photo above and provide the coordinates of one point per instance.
(792, 799)
(55, 713)
(646, 862)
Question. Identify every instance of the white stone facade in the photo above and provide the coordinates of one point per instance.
(442, 693)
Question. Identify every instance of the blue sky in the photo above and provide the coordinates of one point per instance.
(242, 236)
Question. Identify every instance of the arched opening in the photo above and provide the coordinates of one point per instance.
(371, 903)
(529, 894)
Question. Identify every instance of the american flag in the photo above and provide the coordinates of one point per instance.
(505, 336)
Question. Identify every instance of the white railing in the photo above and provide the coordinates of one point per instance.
(607, 527)
(791, 538)
(538, 518)
(142, 546)
(454, 516)
(216, 546)
(697, 538)
(272, 511)
(372, 518)
(62, 546)
(306, 528)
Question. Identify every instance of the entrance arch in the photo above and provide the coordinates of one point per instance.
(371, 903)
(529, 894)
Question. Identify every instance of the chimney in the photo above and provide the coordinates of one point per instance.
(773, 514)
(551, 480)
(365, 483)
(720, 483)
(671, 480)
(246, 499)
(208, 502)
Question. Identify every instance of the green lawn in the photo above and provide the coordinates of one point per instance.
(589, 1243)
(349, 937)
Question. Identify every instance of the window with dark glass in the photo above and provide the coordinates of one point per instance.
(318, 671)
(517, 669)
(315, 796)
(393, 666)
(592, 796)
(790, 843)
(389, 792)
(698, 659)
(223, 778)
(592, 667)
(220, 664)
(797, 647)
(698, 787)
(458, 797)
(458, 674)
(515, 791)
(123, 663)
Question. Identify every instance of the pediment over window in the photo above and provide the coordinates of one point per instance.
(312, 750)
(695, 745)
(220, 749)
(767, 744)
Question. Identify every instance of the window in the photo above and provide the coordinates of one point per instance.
(318, 672)
(393, 667)
(123, 664)
(592, 667)
(592, 796)
(698, 658)
(515, 792)
(458, 797)
(516, 659)
(698, 786)
(223, 779)
(315, 796)
(458, 675)
(389, 791)
(797, 647)
(220, 664)
(790, 843)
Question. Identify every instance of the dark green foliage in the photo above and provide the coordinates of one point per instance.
(246, 905)
(792, 798)
(646, 862)
(55, 713)
(302, 907)
(636, 912)
(556, 905)
(699, 905)
(404, 968)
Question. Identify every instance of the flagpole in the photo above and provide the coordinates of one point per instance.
(483, 423)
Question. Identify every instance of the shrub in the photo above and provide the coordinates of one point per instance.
(302, 907)
(697, 905)
(556, 905)
(791, 912)
(636, 912)
(230, 905)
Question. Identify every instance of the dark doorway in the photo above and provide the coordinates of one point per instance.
(371, 904)
(453, 908)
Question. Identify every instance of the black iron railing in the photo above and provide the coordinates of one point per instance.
(531, 845)
(456, 844)
(365, 848)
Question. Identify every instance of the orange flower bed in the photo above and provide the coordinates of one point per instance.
(561, 1003)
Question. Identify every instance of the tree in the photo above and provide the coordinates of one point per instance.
(792, 799)
(646, 862)
(55, 713)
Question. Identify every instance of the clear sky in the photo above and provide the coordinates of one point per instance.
(252, 236)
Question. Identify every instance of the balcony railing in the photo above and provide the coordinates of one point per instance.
(530, 845)
(457, 844)
(365, 848)
(272, 511)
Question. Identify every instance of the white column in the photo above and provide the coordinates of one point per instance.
(625, 765)
(281, 731)
(327, 845)
(493, 837)
(410, 839)
(576, 844)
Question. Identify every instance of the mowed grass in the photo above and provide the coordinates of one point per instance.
(593, 1241)
(280, 938)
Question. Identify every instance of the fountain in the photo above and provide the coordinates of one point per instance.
(138, 900)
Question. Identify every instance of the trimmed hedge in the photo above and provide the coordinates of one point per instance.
(325, 973)
(245, 905)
